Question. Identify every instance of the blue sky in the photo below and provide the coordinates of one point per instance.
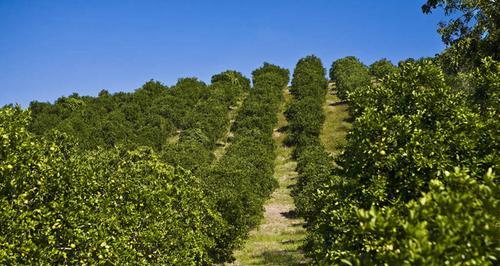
(53, 48)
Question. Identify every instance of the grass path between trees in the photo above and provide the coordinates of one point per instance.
(278, 239)
(336, 124)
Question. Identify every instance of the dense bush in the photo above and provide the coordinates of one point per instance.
(309, 79)
(306, 119)
(481, 86)
(349, 75)
(382, 68)
(455, 223)
(314, 166)
(61, 205)
(416, 125)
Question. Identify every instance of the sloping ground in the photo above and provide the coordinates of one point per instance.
(278, 239)
(336, 124)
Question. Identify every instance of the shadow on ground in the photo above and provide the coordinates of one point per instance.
(290, 214)
(280, 258)
(339, 103)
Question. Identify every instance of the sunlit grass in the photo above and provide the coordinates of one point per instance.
(336, 124)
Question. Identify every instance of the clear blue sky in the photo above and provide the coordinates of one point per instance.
(53, 48)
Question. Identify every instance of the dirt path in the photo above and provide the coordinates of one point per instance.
(277, 240)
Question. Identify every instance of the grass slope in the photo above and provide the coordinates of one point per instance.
(336, 124)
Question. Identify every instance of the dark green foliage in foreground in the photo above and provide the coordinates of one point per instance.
(61, 205)
(412, 129)
(454, 223)
(481, 86)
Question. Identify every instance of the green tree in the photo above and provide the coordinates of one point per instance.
(61, 205)
(382, 68)
(349, 75)
(471, 34)
(454, 223)
(414, 128)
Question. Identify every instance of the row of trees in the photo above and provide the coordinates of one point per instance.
(207, 123)
(414, 183)
(305, 112)
(146, 117)
(352, 77)
(79, 198)
(305, 119)
(240, 182)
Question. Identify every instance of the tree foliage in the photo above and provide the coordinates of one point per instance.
(305, 113)
(305, 116)
(146, 117)
(454, 223)
(61, 205)
(471, 33)
(412, 129)
(382, 68)
(349, 75)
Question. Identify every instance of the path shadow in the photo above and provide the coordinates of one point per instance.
(338, 103)
(282, 129)
(298, 225)
(292, 214)
(281, 258)
(349, 119)
(287, 142)
(290, 241)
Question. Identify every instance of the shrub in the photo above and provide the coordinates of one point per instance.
(349, 75)
(382, 68)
